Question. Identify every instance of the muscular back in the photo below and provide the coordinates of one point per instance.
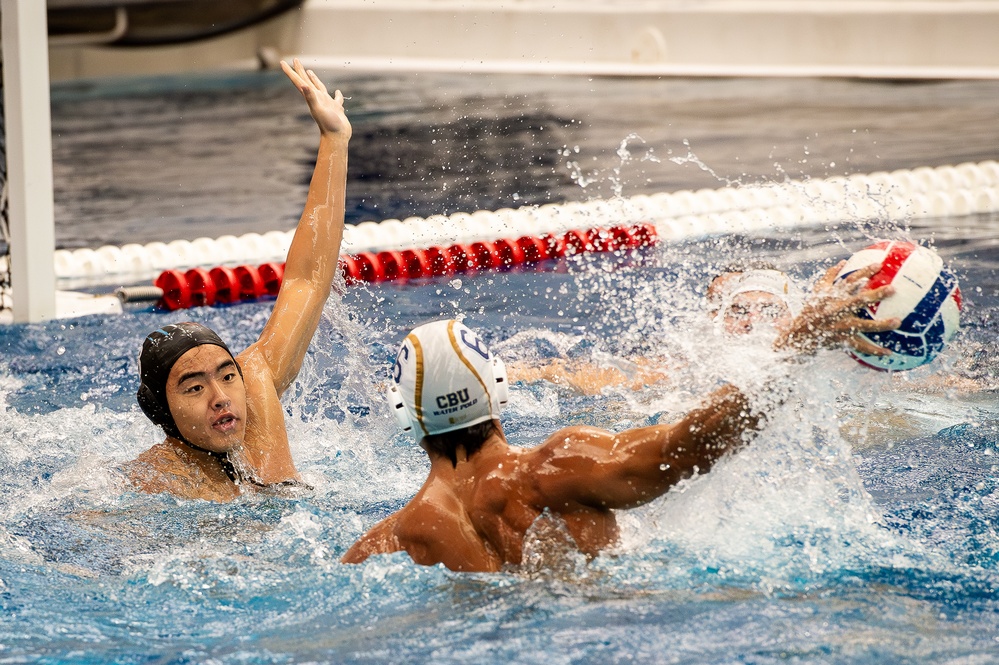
(508, 498)
(473, 515)
(477, 527)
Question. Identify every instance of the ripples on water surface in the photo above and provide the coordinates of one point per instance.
(861, 527)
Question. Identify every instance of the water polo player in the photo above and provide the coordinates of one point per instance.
(744, 297)
(482, 495)
(222, 414)
(747, 296)
(741, 298)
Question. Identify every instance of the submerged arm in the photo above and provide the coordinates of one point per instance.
(418, 529)
(381, 539)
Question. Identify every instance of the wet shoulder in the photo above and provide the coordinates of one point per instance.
(568, 442)
(162, 469)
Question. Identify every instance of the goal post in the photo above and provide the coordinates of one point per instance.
(28, 127)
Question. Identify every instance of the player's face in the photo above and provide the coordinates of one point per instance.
(754, 308)
(207, 398)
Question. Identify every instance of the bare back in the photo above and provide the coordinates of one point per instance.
(473, 516)
(485, 505)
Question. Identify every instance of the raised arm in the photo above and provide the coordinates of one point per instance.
(312, 258)
(596, 468)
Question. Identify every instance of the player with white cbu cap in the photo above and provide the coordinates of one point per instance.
(482, 495)
(445, 379)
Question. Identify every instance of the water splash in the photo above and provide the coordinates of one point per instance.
(615, 177)
(691, 158)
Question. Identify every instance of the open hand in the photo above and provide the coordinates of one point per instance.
(830, 319)
(326, 110)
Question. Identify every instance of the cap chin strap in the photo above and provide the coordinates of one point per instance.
(500, 396)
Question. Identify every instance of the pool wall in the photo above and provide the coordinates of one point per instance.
(856, 38)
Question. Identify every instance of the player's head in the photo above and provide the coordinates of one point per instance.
(192, 386)
(446, 381)
(745, 296)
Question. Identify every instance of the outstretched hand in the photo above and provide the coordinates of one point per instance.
(829, 318)
(325, 109)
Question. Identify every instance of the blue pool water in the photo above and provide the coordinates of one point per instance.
(861, 527)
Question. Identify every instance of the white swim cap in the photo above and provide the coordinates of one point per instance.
(445, 379)
(773, 282)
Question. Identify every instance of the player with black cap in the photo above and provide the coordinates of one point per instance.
(222, 413)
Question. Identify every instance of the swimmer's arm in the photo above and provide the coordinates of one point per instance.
(585, 377)
(315, 249)
(582, 377)
(595, 468)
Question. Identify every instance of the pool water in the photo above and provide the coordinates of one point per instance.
(860, 527)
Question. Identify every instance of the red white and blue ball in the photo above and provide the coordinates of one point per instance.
(927, 299)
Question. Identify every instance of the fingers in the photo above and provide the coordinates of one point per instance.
(316, 81)
(883, 325)
(291, 73)
(867, 346)
(856, 324)
(857, 280)
(830, 275)
(865, 272)
(850, 283)
(309, 77)
(876, 295)
(296, 76)
(306, 80)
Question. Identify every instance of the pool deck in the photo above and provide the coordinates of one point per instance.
(893, 39)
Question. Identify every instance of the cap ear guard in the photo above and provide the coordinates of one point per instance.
(501, 389)
(398, 406)
(156, 411)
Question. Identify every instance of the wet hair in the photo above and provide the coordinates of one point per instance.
(160, 351)
(470, 438)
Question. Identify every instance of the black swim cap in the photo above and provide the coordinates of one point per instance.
(160, 351)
